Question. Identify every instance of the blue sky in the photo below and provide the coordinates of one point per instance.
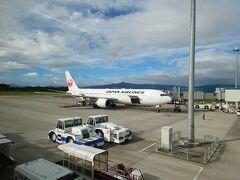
(110, 41)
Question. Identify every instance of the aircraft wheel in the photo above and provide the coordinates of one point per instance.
(95, 106)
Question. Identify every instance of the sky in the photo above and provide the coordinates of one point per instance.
(112, 41)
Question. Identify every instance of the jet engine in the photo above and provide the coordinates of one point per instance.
(103, 103)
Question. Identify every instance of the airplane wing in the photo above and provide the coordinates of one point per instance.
(62, 92)
(52, 91)
(49, 93)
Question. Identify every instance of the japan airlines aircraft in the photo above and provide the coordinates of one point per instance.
(104, 98)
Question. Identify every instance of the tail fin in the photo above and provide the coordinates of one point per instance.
(72, 87)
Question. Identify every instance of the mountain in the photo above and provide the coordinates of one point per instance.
(205, 88)
(132, 86)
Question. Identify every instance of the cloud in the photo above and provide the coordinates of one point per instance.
(31, 75)
(116, 35)
(12, 66)
(212, 66)
(48, 75)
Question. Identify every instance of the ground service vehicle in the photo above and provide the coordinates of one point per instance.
(93, 163)
(5, 151)
(110, 131)
(238, 112)
(42, 169)
(203, 106)
(71, 130)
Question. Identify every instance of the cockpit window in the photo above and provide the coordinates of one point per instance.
(163, 94)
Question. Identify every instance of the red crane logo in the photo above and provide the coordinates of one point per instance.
(70, 83)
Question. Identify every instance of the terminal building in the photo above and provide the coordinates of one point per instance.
(232, 95)
(227, 94)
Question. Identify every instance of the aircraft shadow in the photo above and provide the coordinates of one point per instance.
(121, 107)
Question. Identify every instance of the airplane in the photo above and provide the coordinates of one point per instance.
(105, 98)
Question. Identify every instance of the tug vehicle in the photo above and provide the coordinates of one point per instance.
(108, 130)
(203, 106)
(71, 130)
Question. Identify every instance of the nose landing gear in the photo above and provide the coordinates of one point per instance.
(158, 108)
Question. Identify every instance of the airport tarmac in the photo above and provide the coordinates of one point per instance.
(27, 119)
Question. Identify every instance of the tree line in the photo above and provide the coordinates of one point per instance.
(6, 87)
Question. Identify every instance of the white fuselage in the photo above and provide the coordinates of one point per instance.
(148, 97)
(107, 97)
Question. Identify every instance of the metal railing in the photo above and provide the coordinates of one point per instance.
(176, 136)
(211, 149)
(183, 151)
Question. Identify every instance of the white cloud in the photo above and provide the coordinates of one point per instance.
(60, 34)
(31, 75)
(12, 66)
(211, 67)
(48, 75)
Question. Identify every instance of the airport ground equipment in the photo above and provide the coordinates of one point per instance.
(177, 106)
(93, 163)
(41, 169)
(203, 106)
(238, 113)
(5, 150)
(166, 137)
(71, 130)
(110, 131)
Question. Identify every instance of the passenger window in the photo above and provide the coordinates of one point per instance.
(60, 125)
(98, 120)
(78, 122)
(104, 119)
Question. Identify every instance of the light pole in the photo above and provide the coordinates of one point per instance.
(191, 136)
(236, 49)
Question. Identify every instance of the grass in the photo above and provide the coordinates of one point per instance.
(22, 93)
(33, 93)
(17, 93)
